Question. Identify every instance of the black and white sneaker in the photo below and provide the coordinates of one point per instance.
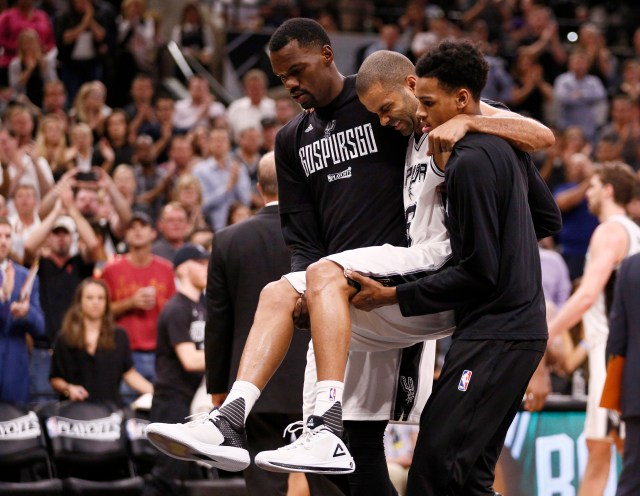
(209, 438)
(318, 450)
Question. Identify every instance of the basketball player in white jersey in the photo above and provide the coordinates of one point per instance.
(382, 331)
(616, 238)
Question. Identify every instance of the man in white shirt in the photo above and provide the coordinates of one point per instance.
(249, 110)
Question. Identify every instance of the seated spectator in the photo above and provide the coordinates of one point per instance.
(193, 35)
(20, 314)
(630, 83)
(173, 227)
(224, 181)
(125, 181)
(148, 177)
(30, 69)
(181, 161)
(248, 110)
(602, 63)
(114, 147)
(286, 109)
(202, 236)
(21, 123)
(81, 38)
(188, 193)
(51, 143)
(90, 107)
(390, 38)
(624, 126)
(237, 213)
(198, 108)
(270, 128)
(607, 149)
(81, 155)
(556, 283)
(92, 356)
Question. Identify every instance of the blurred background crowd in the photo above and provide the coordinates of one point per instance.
(130, 128)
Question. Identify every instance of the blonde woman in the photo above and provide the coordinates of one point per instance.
(188, 193)
(51, 143)
(89, 107)
(91, 355)
(30, 69)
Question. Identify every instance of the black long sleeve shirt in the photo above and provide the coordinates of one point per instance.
(497, 207)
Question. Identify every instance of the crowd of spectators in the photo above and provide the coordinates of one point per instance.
(106, 173)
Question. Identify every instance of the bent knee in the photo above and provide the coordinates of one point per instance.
(323, 274)
(279, 292)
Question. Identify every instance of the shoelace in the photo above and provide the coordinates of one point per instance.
(305, 438)
(196, 419)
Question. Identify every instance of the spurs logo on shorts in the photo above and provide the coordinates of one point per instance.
(464, 380)
(409, 388)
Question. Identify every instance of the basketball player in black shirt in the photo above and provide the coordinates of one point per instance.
(494, 288)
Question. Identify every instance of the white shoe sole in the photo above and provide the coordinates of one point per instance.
(321, 468)
(225, 458)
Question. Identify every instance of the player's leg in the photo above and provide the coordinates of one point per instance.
(596, 473)
(219, 438)
(328, 296)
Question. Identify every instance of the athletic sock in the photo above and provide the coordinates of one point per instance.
(239, 402)
(329, 404)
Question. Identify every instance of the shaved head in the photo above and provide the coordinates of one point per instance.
(386, 68)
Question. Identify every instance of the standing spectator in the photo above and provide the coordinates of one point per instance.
(25, 219)
(140, 110)
(198, 108)
(390, 38)
(233, 291)
(531, 91)
(51, 143)
(188, 193)
(255, 105)
(20, 313)
(60, 271)
(556, 283)
(617, 237)
(136, 47)
(624, 126)
(630, 83)
(624, 340)
(89, 107)
(223, 180)
(193, 35)
(286, 109)
(148, 176)
(248, 154)
(578, 223)
(30, 69)
(162, 130)
(16, 19)
(54, 101)
(579, 97)
(115, 140)
(140, 284)
(81, 38)
(81, 155)
(173, 226)
(91, 356)
(602, 63)
(21, 123)
(180, 361)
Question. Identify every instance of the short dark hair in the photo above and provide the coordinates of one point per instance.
(307, 32)
(455, 64)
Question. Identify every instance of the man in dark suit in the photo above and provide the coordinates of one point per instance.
(624, 340)
(246, 257)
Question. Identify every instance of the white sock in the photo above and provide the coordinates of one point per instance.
(243, 395)
(329, 403)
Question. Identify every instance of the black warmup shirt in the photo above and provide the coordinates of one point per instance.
(340, 176)
(497, 205)
(181, 321)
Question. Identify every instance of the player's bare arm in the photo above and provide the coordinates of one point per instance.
(608, 246)
(521, 132)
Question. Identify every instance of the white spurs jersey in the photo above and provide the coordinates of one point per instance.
(596, 323)
(424, 208)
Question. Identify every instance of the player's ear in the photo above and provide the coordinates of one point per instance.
(327, 54)
(463, 98)
(410, 80)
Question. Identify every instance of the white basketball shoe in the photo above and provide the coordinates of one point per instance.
(209, 438)
(318, 450)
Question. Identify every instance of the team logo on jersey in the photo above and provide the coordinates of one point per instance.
(465, 378)
(409, 388)
(345, 174)
(329, 129)
(332, 394)
(309, 128)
